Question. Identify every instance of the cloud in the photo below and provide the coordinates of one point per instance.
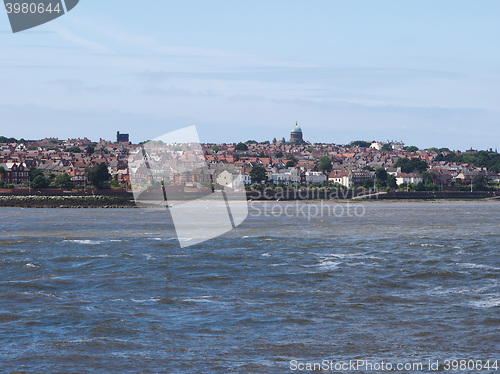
(68, 35)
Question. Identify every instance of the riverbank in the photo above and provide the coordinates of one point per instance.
(66, 202)
(102, 201)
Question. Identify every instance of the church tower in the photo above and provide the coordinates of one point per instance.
(296, 134)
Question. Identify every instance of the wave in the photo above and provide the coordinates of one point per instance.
(488, 303)
(427, 245)
(84, 241)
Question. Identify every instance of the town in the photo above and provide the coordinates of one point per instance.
(80, 164)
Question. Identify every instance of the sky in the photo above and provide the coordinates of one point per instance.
(426, 73)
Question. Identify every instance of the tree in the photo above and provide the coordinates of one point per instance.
(64, 181)
(216, 148)
(279, 154)
(391, 181)
(241, 147)
(382, 175)
(325, 164)
(411, 165)
(368, 167)
(479, 182)
(3, 173)
(90, 150)
(251, 142)
(368, 183)
(40, 182)
(411, 148)
(429, 177)
(258, 174)
(98, 175)
(74, 150)
(360, 143)
(290, 164)
(387, 147)
(33, 173)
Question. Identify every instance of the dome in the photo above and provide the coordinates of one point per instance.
(296, 128)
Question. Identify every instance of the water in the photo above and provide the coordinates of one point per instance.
(108, 291)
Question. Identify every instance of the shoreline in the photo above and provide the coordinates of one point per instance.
(74, 202)
(109, 202)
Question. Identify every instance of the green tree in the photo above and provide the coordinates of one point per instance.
(64, 181)
(99, 175)
(33, 173)
(387, 147)
(479, 182)
(382, 175)
(90, 150)
(391, 181)
(368, 167)
(291, 161)
(3, 139)
(258, 174)
(3, 173)
(74, 150)
(241, 147)
(360, 143)
(411, 165)
(429, 177)
(368, 183)
(325, 164)
(115, 182)
(40, 182)
(279, 154)
(411, 148)
(216, 148)
(251, 142)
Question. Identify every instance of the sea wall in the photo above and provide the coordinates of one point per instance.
(427, 195)
(66, 202)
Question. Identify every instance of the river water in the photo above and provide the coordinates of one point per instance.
(111, 291)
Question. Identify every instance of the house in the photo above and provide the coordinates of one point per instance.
(228, 179)
(339, 177)
(358, 177)
(315, 177)
(407, 178)
(289, 176)
(15, 173)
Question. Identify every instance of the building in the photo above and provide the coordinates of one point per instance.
(407, 178)
(122, 137)
(296, 134)
(315, 177)
(14, 173)
(339, 177)
(233, 180)
(358, 177)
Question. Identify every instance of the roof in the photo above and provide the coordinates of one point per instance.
(296, 128)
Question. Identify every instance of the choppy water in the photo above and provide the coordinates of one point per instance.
(110, 291)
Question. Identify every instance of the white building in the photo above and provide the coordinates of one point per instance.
(407, 178)
(315, 177)
(227, 179)
(340, 177)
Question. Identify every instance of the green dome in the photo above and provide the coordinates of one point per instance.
(297, 128)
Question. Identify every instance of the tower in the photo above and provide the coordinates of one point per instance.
(296, 134)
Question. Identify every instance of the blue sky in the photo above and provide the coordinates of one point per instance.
(425, 72)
